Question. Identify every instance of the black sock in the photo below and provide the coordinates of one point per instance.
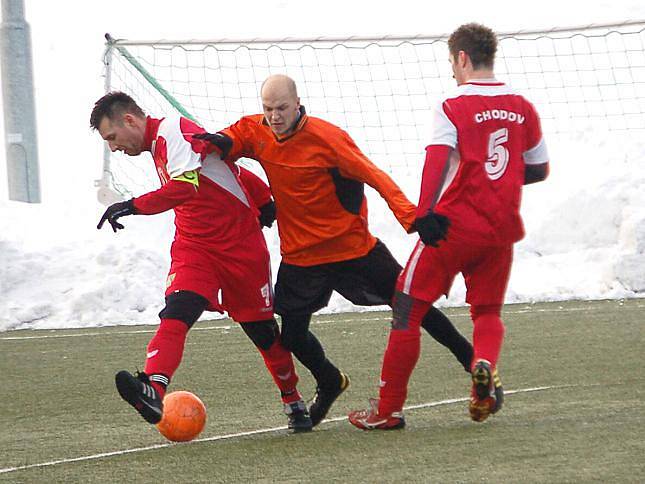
(441, 329)
(304, 345)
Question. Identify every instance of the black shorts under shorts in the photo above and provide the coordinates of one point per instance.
(365, 281)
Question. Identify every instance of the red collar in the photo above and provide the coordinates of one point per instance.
(152, 127)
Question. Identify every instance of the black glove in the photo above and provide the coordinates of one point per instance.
(432, 228)
(115, 211)
(267, 214)
(220, 140)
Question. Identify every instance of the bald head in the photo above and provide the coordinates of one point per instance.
(280, 103)
(278, 83)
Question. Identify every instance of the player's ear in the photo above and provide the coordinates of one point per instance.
(462, 58)
(128, 119)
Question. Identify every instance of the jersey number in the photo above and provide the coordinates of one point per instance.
(497, 154)
(266, 294)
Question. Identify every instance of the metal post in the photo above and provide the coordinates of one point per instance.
(19, 107)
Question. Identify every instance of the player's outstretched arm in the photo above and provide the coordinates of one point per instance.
(355, 165)
(177, 191)
(220, 141)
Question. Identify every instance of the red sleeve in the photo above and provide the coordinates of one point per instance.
(435, 170)
(258, 190)
(168, 196)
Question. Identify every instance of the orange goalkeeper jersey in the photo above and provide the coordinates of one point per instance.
(316, 174)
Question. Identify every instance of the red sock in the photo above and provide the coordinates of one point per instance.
(164, 353)
(279, 362)
(401, 356)
(402, 352)
(488, 335)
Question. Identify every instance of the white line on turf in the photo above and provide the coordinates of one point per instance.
(314, 322)
(248, 433)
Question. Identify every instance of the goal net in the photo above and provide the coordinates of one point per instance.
(379, 89)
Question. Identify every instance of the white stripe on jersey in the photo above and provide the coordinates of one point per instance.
(219, 173)
(537, 155)
(179, 152)
(444, 132)
(412, 265)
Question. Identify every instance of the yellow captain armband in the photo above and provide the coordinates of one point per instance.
(191, 176)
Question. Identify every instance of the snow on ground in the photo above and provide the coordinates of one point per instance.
(585, 225)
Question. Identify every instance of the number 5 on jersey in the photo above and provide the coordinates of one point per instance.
(497, 154)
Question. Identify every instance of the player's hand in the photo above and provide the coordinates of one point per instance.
(432, 228)
(220, 141)
(114, 212)
(267, 214)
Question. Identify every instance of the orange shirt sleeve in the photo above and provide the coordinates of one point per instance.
(241, 133)
(354, 164)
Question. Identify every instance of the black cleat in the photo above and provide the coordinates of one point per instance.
(299, 419)
(324, 399)
(139, 393)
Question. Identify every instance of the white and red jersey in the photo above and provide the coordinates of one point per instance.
(217, 211)
(489, 133)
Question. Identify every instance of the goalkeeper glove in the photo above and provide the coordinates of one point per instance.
(267, 214)
(222, 142)
(115, 211)
(432, 228)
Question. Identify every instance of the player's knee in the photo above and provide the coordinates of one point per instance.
(407, 312)
(476, 311)
(262, 333)
(292, 340)
(186, 306)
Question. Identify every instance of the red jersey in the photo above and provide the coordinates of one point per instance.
(212, 205)
(493, 132)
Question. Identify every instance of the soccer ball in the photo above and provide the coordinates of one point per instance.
(184, 416)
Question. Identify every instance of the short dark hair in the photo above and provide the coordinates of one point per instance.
(113, 105)
(476, 40)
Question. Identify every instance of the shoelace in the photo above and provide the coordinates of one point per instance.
(315, 397)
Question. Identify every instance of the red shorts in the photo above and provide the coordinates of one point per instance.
(430, 271)
(237, 280)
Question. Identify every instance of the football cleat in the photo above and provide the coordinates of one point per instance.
(499, 392)
(370, 419)
(299, 419)
(487, 394)
(138, 392)
(324, 399)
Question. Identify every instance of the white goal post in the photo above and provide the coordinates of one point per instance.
(380, 89)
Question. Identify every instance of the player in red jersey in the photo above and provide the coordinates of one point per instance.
(218, 247)
(486, 143)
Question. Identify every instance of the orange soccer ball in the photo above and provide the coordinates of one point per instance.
(184, 416)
